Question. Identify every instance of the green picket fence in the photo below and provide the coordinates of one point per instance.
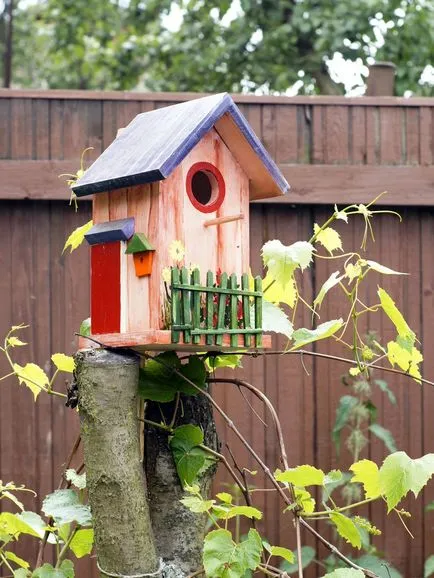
(215, 310)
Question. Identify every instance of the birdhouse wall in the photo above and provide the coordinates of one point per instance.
(164, 213)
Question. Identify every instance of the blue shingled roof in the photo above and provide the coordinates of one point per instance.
(155, 142)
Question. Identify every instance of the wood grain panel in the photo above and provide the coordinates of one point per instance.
(336, 134)
(5, 128)
(391, 135)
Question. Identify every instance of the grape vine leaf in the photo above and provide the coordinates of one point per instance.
(407, 360)
(77, 480)
(382, 568)
(223, 558)
(428, 568)
(334, 279)
(247, 511)
(65, 507)
(33, 376)
(384, 435)
(305, 475)
(159, 382)
(391, 310)
(347, 529)
(343, 412)
(15, 341)
(66, 570)
(35, 521)
(76, 238)
(305, 336)
(305, 500)
(197, 504)
(284, 553)
(215, 361)
(276, 292)
(63, 362)
(282, 260)
(383, 385)
(82, 542)
(307, 556)
(328, 237)
(21, 573)
(190, 459)
(352, 271)
(14, 525)
(400, 474)
(345, 573)
(366, 472)
(381, 268)
(16, 560)
(274, 319)
(225, 497)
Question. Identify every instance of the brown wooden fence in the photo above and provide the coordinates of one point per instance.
(331, 150)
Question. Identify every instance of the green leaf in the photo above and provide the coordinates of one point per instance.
(82, 542)
(345, 573)
(248, 511)
(284, 553)
(158, 382)
(307, 556)
(428, 568)
(328, 237)
(77, 480)
(17, 560)
(215, 361)
(14, 525)
(304, 336)
(343, 412)
(76, 238)
(381, 568)
(366, 472)
(274, 319)
(66, 570)
(22, 573)
(384, 435)
(197, 504)
(333, 280)
(282, 260)
(407, 359)
(63, 362)
(346, 528)
(189, 458)
(33, 376)
(65, 507)
(304, 500)
(385, 389)
(85, 327)
(301, 476)
(400, 474)
(222, 557)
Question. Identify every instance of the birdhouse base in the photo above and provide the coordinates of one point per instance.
(162, 341)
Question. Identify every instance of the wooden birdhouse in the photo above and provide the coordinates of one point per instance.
(170, 241)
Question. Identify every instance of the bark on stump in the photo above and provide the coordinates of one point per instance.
(107, 384)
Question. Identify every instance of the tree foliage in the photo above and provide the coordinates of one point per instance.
(217, 45)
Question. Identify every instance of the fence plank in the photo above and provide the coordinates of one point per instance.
(195, 280)
(221, 310)
(209, 307)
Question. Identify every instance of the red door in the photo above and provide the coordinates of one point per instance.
(105, 301)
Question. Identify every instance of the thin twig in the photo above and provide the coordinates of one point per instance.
(299, 556)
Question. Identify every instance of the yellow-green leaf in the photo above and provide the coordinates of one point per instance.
(381, 268)
(33, 376)
(305, 500)
(352, 271)
(63, 362)
(328, 237)
(304, 336)
(391, 310)
(276, 292)
(82, 542)
(407, 360)
(76, 238)
(284, 553)
(224, 497)
(347, 529)
(15, 342)
(17, 560)
(11, 524)
(301, 476)
(248, 511)
(366, 472)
